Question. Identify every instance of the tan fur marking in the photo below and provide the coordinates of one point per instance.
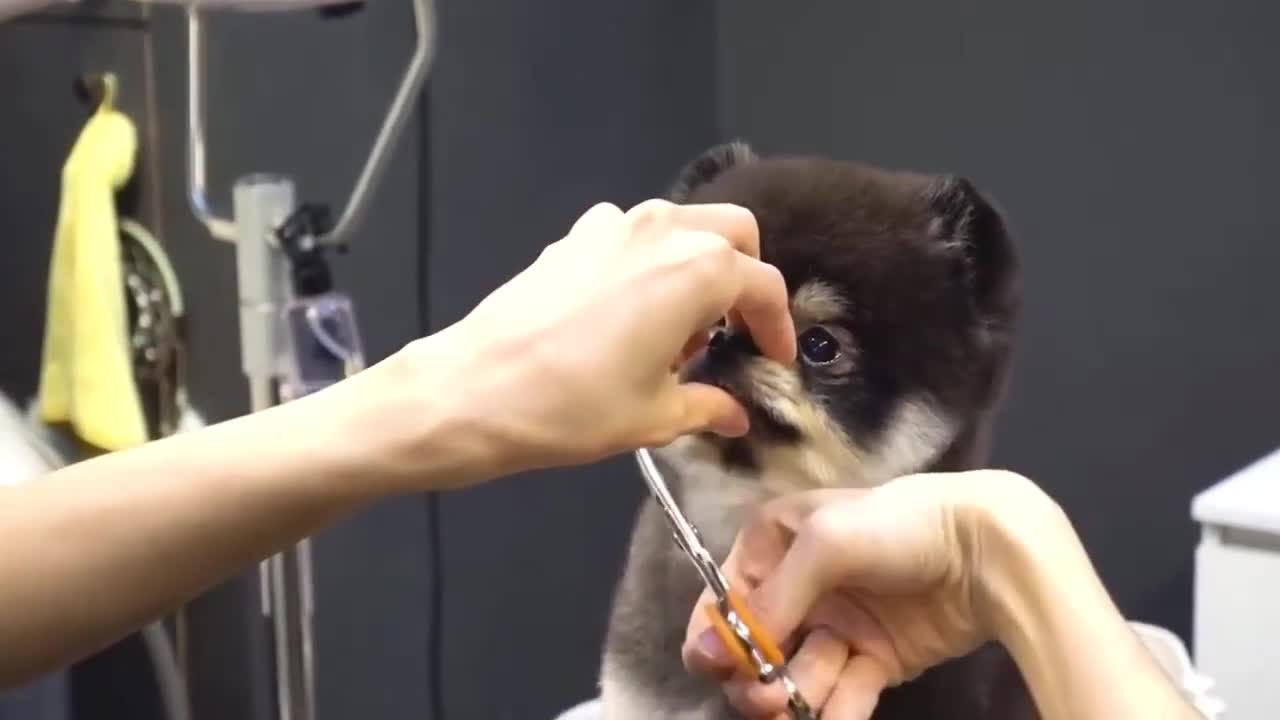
(828, 457)
(816, 302)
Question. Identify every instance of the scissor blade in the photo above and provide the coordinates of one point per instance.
(689, 541)
(686, 534)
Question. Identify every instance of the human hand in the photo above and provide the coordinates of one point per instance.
(875, 586)
(576, 357)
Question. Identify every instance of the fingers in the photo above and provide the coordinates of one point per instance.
(754, 700)
(758, 298)
(762, 306)
(760, 547)
(816, 668)
(704, 407)
(703, 652)
(696, 342)
(735, 224)
(593, 221)
(857, 691)
(750, 293)
(790, 512)
(806, 571)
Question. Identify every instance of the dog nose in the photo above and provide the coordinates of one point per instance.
(719, 339)
(725, 343)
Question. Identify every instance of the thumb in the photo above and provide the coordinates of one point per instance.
(780, 604)
(787, 581)
(703, 407)
(825, 554)
(786, 596)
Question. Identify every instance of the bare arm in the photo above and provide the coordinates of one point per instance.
(570, 361)
(922, 570)
(1079, 656)
(99, 548)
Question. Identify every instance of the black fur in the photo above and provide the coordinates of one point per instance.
(926, 263)
(930, 277)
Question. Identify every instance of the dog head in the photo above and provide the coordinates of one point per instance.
(904, 290)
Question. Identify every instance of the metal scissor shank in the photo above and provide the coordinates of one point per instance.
(736, 629)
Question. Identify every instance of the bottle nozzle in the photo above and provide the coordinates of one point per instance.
(299, 236)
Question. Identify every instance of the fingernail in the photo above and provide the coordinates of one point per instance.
(711, 648)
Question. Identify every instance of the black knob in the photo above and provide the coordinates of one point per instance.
(89, 89)
(300, 231)
(341, 10)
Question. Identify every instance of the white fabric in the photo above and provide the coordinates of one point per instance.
(589, 710)
(1172, 655)
(1168, 650)
(23, 457)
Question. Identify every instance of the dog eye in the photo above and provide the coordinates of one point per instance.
(818, 346)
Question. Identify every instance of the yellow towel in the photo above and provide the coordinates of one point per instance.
(86, 377)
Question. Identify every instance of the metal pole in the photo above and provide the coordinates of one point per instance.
(197, 192)
(397, 117)
(261, 204)
(292, 622)
(393, 125)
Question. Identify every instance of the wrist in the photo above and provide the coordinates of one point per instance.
(1031, 559)
(1040, 597)
(417, 420)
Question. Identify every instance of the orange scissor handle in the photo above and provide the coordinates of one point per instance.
(763, 642)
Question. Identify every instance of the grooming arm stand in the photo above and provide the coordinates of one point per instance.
(261, 204)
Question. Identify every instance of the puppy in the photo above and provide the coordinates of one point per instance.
(905, 293)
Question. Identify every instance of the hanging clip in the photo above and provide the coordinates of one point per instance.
(96, 90)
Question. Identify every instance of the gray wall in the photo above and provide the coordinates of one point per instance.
(535, 116)
(1128, 145)
(1134, 147)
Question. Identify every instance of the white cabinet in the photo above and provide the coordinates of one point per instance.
(1237, 589)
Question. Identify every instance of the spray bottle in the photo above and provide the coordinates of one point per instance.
(319, 322)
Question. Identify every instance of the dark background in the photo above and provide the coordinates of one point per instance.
(1130, 145)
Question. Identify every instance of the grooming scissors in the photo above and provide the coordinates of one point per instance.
(755, 652)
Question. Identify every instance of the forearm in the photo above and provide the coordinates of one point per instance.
(99, 548)
(1079, 656)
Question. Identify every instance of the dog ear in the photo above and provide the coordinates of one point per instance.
(968, 224)
(707, 166)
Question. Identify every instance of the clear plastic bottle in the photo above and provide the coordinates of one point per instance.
(324, 342)
(323, 339)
